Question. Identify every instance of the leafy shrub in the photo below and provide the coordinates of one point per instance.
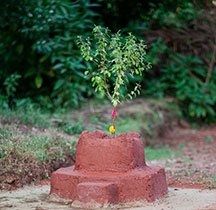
(117, 59)
(38, 43)
(184, 77)
(11, 84)
(183, 59)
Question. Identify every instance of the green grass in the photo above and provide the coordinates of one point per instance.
(159, 153)
(143, 118)
(213, 178)
(141, 123)
(33, 155)
(42, 147)
(126, 125)
(31, 115)
(71, 127)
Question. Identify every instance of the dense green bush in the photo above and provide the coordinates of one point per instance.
(183, 58)
(38, 51)
(184, 79)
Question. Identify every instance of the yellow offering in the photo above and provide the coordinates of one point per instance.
(112, 129)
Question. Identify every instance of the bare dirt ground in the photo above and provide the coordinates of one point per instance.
(36, 198)
(196, 165)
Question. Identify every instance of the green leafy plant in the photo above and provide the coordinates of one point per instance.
(11, 84)
(184, 78)
(117, 58)
(38, 42)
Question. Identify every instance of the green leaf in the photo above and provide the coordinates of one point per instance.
(38, 81)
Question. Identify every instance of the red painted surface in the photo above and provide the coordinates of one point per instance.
(109, 170)
(88, 191)
(99, 152)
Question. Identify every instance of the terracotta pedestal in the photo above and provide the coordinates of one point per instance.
(109, 171)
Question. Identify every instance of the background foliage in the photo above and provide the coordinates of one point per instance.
(40, 60)
(40, 57)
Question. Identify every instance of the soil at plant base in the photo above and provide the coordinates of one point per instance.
(36, 198)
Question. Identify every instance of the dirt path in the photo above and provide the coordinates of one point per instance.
(36, 198)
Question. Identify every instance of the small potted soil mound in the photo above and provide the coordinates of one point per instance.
(111, 169)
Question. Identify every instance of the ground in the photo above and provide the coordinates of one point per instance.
(36, 198)
(186, 153)
(195, 164)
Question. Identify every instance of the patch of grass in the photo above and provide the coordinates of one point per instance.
(141, 123)
(159, 153)
(150, 118)
(32, 156)
(42, 147)
(144, 116)
(31, 115)
(4, 133)
(94, 119)
(126, 124)
(181, 146)
(213, 178)
(70, 127)
(28, 115)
